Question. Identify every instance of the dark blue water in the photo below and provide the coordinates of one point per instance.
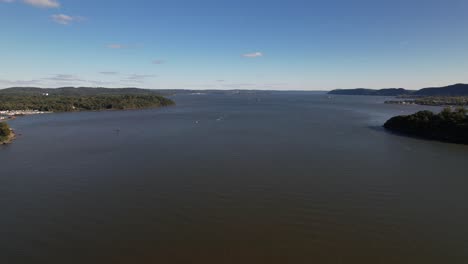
(280, 178)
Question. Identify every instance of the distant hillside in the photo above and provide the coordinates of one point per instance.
(363, 91)
(451, 90)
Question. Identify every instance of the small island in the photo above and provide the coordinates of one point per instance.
(6, 133)
(448, 126)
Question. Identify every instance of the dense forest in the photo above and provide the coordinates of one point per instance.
(4, 132)
(449, 125)
(63, 103)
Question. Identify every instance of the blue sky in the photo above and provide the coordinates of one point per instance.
(256, 44)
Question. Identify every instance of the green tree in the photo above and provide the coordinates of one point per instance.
(4, 131)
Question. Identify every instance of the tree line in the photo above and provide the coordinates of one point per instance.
(61, 103)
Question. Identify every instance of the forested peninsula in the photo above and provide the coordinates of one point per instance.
(79, 99)
(449, 125)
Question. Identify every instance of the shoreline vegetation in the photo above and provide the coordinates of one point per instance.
(432, 101)
(447, 126)
(15, 105)
(30, 101)
(7, 135)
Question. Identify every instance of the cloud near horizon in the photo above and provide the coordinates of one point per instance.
(253, 55)
(65, 78)
(10, 83)
(140, 76)
(137, 78)
(75, 80)
(109, 73)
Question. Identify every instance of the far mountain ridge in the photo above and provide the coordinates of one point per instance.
(459, 89)
(366, 91)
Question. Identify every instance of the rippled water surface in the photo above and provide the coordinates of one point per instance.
(279, 178)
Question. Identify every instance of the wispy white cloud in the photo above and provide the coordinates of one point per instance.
(43, 3)
(253, 55)
(70, 79)
(116, 46)
(137, 78)
(140, 76)
(37, 3)
(65, 78)
(109, 73)
(99, 83)
(57, 80)
(65, 19)
(6, 83)
(123, 46)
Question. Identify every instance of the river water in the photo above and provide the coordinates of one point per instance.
(269, 178)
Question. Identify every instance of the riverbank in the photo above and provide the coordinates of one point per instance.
(13, 113)
(432, 101)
